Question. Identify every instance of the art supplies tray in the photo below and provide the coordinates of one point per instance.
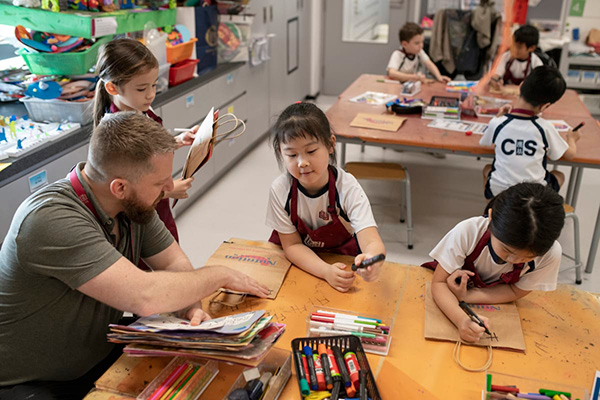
(527, 385)
(321, 321)
(373, 98)
(183, 378)
(410, 88)
(488, 107)
(441, 107)
(278, 362)
(346, 344)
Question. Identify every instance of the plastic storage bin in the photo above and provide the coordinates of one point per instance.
(63, 63)
(279, 363)
(346, 344)
(189, 388)
(163, 78)
(58, 110)
(180, 52)
(369, 345)
(528, 385)
(181, 72)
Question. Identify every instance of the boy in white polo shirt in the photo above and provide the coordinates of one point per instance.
(523, 141)
(404, 62)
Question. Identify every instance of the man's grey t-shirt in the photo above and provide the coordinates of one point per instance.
(48, 329)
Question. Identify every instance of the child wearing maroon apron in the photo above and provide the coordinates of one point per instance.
(315, 207)
(500, 257)
(128, 73)
(514, 65)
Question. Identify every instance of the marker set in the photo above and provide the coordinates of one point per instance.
(502, 386)
(184, 378)
(373, 332)
(337, 365)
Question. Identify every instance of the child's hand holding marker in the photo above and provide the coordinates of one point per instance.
(368, 266)
(575, 134)
(340, 277)
(470, 331)
(458, 281)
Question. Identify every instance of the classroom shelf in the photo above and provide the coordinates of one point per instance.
(582, 60)
(588, 86)
(83, 23)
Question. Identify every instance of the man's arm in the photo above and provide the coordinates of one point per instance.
(125, 287)
(170, 259)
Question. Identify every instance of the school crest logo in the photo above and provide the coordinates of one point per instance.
(324, 215)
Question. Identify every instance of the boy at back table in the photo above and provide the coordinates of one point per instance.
(523, 141)
(404, 62)
(520, 60)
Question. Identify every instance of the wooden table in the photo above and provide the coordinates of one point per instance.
(414, 135)
(561, 333)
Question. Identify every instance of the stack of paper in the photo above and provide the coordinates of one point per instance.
(243, 338)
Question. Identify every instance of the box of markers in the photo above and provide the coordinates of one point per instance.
(337, 364)
(499, 386)
(374, 332)
(265, 381)
(183, 378)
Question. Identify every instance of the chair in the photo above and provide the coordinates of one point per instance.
(387, 172)
(570, 213)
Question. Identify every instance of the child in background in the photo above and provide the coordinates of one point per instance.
(404, 62)
(316, 206)
(520, 60)
(523, 141)
(500, 257)
(128, 73)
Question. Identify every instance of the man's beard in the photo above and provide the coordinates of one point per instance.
(138, 212)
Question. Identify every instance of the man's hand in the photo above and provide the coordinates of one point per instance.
(195, 314)
(240, 282)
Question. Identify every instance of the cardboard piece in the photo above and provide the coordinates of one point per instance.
(376, 121)
(504, 322)
(266, 264)
(201, 150)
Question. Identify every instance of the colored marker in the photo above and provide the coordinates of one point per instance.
(311, 367)
(387, 81)
(165, 385)
(339, 359)
(507, 389)
(363, 385)
(326, 367)
(474, 317)
(328, 314)
(304, 389)
(578, 126)
(370, 336)
(552, 393)
(353, 367)
(351, 390)
(335, 371)
(346, 321)
(533, 396)
(305, 364)
(177, 382)
(320, 379)
(348, 327)
(182, 387)
(369, 261)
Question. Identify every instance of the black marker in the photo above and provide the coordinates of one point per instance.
(311, 367)
(339, 359)
(474, 317)
(368, 262)
(578, 126)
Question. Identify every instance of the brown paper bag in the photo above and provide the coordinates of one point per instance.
(504, 322)
(377, 121)
(267, 263)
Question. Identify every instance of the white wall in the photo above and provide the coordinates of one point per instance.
(590, 19)
(316, 46)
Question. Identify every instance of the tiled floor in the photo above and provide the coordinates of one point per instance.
(444, 192)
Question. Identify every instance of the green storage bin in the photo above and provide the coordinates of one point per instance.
(63, 63)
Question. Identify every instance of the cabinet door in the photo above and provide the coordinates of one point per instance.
(279, 97)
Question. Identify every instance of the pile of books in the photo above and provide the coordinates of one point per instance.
(241, 338)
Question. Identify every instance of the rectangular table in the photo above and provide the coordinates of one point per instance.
(414, 135)
(561, 334)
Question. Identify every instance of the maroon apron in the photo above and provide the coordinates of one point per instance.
(331, 238)
(80, 192)
(163, 208)
(469, 265)
(509, 77)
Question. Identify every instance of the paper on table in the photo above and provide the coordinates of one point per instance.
(226, 325)
(374, 98)
(375, 121)
(559, 125)
(459, 126)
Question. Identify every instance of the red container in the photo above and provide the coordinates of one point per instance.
(182, 71)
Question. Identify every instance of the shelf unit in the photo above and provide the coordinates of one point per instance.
(85, 24)
(586, 64)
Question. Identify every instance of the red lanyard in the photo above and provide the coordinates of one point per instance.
(522, 111)
(80, 192)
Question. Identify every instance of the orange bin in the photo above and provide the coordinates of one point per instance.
(180, 52)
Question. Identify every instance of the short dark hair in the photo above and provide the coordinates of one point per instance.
(543, 85)
(301, 120)
(527, 216)
(527, 34)
(409, 31)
